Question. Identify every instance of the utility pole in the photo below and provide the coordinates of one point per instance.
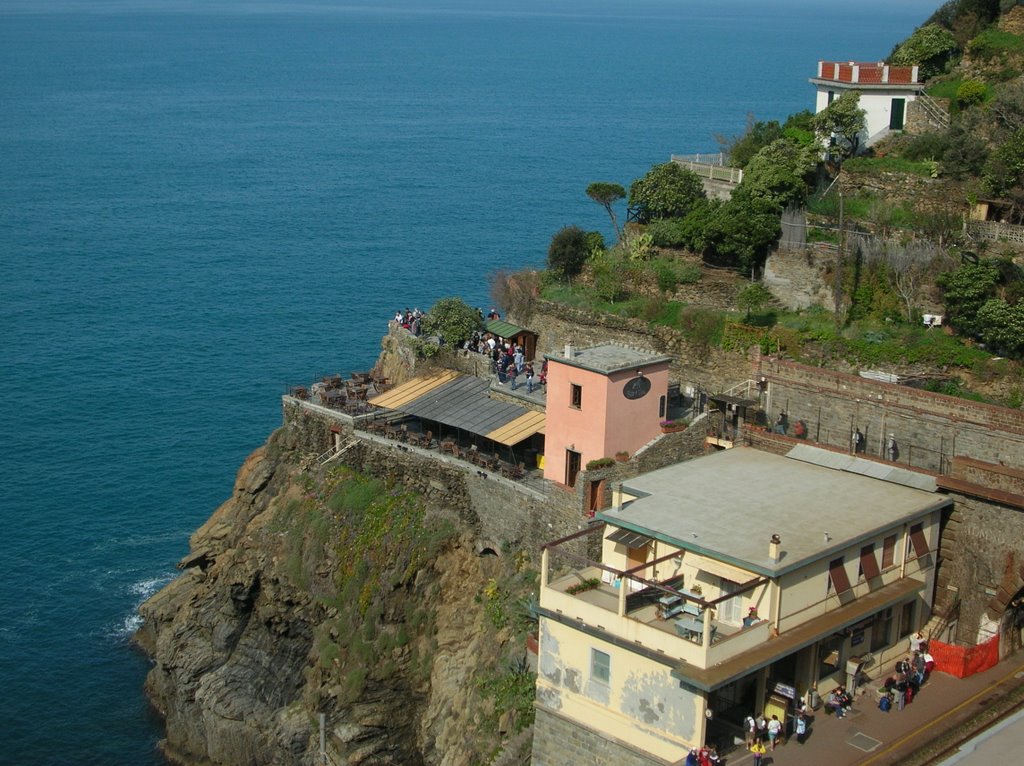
(837, 279)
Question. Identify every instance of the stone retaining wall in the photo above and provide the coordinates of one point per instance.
(499, 512)
(710, 369)
(558, 741)
(930, 429)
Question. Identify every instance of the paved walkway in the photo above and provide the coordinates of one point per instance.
(869, 737)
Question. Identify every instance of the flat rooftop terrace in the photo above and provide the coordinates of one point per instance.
(727, 505)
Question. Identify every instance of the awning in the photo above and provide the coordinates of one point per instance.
(629, 538)
(721, 569)
(412, 389)
(462, 402)
(521, 428)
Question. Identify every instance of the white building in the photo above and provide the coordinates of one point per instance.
(884, 91)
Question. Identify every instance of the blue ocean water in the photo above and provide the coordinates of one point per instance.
(204, 201)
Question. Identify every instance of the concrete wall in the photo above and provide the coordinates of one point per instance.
(640, 703)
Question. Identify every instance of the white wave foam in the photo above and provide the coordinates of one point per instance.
(146, 588)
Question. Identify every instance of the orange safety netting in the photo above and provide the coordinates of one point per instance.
(963, 661)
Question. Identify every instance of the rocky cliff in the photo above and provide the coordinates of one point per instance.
(316, 591)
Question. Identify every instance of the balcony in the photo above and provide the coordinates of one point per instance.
(642, 623)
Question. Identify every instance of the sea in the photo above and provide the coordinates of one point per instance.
(202, 203)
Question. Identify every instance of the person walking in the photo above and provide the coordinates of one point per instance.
(749, 730)
(800, 727)
(528, 370)
(758, 749)
(774, 731)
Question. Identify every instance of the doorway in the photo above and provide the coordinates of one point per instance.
(572, 467)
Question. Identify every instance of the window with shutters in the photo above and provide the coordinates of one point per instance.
(838, 581)
(888, 551)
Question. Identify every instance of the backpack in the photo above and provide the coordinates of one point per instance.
(885, 704)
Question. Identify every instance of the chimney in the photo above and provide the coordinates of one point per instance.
(773, 547)
(569, 351)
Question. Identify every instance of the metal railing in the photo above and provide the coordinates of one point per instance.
(935, 113)
(711, 166)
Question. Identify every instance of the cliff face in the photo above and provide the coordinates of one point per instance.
(314, 591)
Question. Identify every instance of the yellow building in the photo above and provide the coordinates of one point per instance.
(728, 585)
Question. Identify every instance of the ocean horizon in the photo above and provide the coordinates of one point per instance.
(208, 202)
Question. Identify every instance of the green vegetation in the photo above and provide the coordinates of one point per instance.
(452, 320)
(568, 251)
(667, 191)
(373, 539)
(931, 48)
(995, 44)
(606, 195)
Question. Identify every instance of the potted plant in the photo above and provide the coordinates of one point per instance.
(672, 426)
(580, 587)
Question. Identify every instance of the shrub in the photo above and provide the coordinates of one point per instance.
(668, 232)
(452, 319)
(971, 93)
(568, 251)
(927, 146)
(601, 462)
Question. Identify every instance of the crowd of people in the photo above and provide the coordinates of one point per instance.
(910, 674)
(508, 359)
(705, 756)
(410, 319)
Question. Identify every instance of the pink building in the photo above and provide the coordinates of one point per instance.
(600, 401)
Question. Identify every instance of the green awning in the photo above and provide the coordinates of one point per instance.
(504, 329)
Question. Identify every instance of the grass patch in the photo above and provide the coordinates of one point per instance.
(995, 43)
(945, 89)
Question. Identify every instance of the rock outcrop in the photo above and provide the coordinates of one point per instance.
(312, 592)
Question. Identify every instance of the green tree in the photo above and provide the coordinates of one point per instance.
(753, 298)
(779, 172)
(799, 128)
(840, 124)
(667, 191)
(965, 291)
(1001, 325)
(740, 149)
(929, 48)
(1004, 169)
(451, 319)
(606, 195)
(568, 251)
(743, 230)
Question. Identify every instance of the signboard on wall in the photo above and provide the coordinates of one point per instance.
(777, 687)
